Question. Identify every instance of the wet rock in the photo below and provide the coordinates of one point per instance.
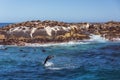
(53, 31)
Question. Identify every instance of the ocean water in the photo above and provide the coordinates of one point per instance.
(83, 61)
(4, 24)
(94, 59)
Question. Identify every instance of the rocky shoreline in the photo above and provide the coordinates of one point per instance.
(53, 31)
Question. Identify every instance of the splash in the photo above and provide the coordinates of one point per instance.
(51, 66)
(2, 47)
(48, 64)
(97, 38)
(70, 43)
(93, 39)
(116, 39)
(54, 68)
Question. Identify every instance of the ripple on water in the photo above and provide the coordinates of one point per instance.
(74, 62)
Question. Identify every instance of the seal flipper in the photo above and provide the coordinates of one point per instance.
(48, 58)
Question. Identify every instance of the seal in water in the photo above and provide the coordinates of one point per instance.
(48, 58)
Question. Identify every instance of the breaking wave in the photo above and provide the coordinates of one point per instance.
(97, 38)
(93, 39)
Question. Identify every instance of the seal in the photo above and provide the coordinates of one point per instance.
(48, 58)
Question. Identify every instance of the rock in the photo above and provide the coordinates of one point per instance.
(53, 31)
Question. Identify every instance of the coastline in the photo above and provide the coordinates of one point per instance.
(42, 32)
(70, 43)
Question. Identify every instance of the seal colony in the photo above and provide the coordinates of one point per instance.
(53, 31)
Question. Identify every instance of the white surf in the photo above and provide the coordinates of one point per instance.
(50, 65)
(97, 38)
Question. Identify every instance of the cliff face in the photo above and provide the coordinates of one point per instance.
(53, 31)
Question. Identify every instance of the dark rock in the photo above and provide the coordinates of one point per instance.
(109, 30)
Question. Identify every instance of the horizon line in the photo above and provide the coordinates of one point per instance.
(65, 21)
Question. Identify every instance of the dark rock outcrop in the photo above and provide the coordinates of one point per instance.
(54, 31)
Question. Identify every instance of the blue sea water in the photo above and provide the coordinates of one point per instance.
(90, 61)
(4, 24)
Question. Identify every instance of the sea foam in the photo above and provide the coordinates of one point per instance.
(70, 43)
(97, 38)
(48, 64)
(93, 38)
